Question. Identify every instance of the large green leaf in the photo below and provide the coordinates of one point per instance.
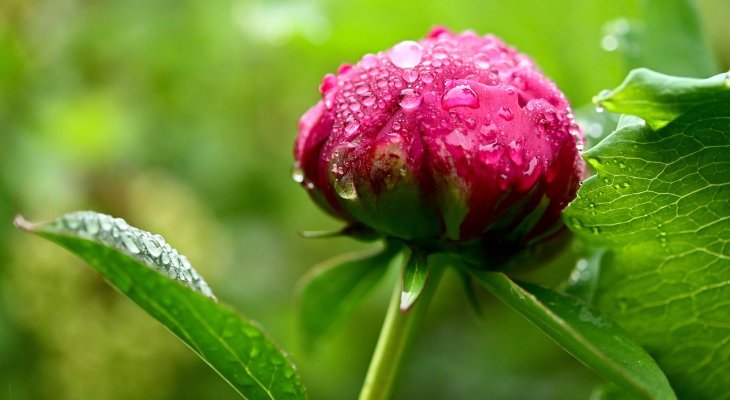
(585, 333)
(661, 203)
(660, 98)
(333, 289)
(161, 281)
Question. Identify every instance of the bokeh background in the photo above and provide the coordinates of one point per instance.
(180, 117)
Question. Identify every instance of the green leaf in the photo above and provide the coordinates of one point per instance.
(661, 204)
(659, 98)
(333, 289)
(585, 333)
(153, 275)
(415, 275)
(610, 392)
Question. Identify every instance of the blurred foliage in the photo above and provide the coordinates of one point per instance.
(180, 117)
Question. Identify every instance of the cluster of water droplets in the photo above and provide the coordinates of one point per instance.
(379, 96)
(359, 94)
(144, 246)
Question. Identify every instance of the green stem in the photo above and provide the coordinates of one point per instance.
(395, 337)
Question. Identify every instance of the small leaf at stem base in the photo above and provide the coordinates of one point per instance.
(415, 275)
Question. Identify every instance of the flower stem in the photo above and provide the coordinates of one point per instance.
(395, 337)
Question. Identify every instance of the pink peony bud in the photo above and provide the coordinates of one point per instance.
(452, 139)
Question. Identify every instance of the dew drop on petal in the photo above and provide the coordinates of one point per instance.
(481, 61)
(460, 96)
(409, 75)
(406, 54)
(368, 101)
(329, 99)
(345, 187)
(505, 113)
(352, 126)
(328, 82)
(297, 174)
(369, 61)
(409, 99)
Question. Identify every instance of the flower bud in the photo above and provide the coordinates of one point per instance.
(452, 139)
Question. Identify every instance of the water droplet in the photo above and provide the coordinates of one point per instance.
(481, 61)
(152, 246)
(505, 113)
(362, 89)
(406, 54)
(297, 174)
(120, 224)
(345, 187)
(369, 61)
(91, 223)
(105, 222)
(409, 99)
(352, 126)
(228, 332)
(490, 153)
(576, 223)
(130, 243)
(72, 222)
(427, 77)
(185, 275)
(460, 96)
(251, 332)
(205, 289)
(409, 75)
(599, 108)
(595, 230)
(396, 126)
(515, 155)
(328, 83)
(594, 162)
(368, 101)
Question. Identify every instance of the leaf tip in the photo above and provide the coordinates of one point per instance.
(21, 223)
(406, 300)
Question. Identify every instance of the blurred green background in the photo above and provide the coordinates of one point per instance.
(180, 117)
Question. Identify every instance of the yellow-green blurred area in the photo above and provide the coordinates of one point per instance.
(180, 116)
